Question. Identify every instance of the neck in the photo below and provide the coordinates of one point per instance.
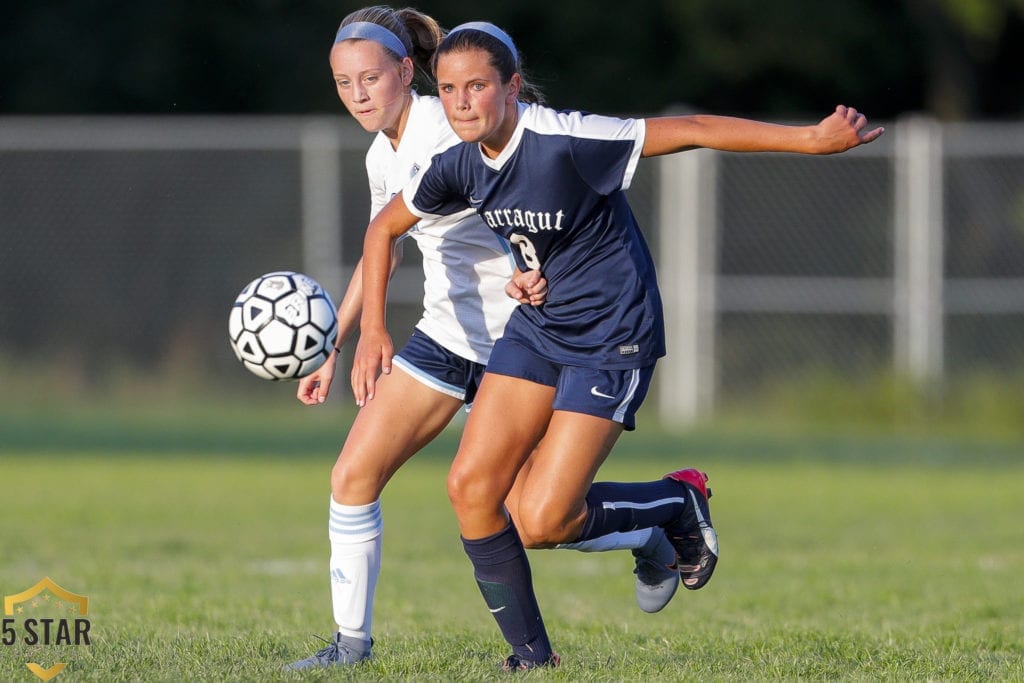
(493, 147)
(394, 132)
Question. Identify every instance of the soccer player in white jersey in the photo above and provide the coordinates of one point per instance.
(568, 376)
(470, 289)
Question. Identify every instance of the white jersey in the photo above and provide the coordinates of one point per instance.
(465, 264)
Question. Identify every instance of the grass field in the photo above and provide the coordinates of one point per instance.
(199, 537)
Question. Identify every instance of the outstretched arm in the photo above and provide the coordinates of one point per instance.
(843, 129)
(374, 351)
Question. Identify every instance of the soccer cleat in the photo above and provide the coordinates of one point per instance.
(657, 573)
(691, 534)
(340, 651)
(515, 663)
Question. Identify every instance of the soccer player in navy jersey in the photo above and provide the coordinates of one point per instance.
(470, 289)
(567, 377)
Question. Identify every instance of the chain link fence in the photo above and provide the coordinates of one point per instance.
(123, 242)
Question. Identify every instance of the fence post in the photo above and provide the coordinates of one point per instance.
(919, 229)
(687, 267)
(321, 205)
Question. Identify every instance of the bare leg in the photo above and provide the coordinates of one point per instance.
(493, 448)
(390, 429)
(404, 416)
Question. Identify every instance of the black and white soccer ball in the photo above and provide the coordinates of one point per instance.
(283, 325)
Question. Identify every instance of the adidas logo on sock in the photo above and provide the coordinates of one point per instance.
(338, 576)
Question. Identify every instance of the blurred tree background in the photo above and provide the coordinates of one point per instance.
(954, 59)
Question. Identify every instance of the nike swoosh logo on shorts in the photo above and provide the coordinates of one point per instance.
(595, 392)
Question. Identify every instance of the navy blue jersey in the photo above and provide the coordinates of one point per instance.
(556, 192)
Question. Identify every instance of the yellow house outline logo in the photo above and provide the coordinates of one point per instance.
(81, 602)
(46, 584)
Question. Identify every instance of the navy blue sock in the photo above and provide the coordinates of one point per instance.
(615, 507)
(503, 574)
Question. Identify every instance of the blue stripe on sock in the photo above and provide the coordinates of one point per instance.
(352, 524)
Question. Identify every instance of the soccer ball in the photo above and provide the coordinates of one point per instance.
(283, 325)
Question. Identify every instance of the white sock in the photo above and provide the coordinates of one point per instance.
(355, 533)
(620, 540)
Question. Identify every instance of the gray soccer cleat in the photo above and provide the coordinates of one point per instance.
(340, 651)
(657, 574)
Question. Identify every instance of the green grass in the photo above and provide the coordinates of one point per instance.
(201, 544)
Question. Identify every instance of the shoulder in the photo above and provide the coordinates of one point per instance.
(426, 110)
(427, 121)
(427, 105)
(574, 123)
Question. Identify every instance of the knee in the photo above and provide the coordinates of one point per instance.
(465, 491)
(531, 542)
(474, 493)
(353, 485)
(545, 526)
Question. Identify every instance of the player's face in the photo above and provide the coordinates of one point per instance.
(372, 85)
(479, 107)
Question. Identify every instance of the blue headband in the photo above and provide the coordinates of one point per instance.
(491, 30)
(375, 32)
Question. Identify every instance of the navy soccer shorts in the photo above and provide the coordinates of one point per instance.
(612, 394)
(440, 369)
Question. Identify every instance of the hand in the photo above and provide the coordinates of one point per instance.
(314, 387)
(373, 353)
(527, 288)
(844, 129)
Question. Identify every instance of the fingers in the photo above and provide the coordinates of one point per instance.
(528, 288)
(306, 389)
(313, 388)
(371, 356)
(528, 278)
(535, 288)
(363, 386)
(859, 123)
(538, 292)
(851, 115)
(513, 291)
(364, 375)
(363, 383)
(872, 135)
(324, 389)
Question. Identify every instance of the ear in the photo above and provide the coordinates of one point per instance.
(514, 85)
(408, 70)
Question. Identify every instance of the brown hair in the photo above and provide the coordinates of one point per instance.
(502, 58)
(419, 33)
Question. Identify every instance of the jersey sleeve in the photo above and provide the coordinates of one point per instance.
(433, 191)
(606, 150)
